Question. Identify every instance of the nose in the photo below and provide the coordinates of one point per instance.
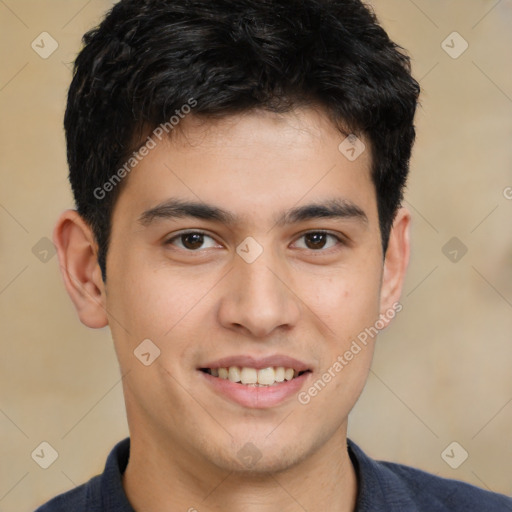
(258, 298)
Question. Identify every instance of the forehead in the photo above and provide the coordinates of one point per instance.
(254, 161)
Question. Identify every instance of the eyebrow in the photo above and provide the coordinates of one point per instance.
(176, 208)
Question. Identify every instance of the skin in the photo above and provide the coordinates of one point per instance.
(299, 299)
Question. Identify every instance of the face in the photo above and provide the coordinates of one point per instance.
(247, 246)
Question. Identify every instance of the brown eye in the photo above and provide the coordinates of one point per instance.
(315, 240)
(318, 240)
(192, 241)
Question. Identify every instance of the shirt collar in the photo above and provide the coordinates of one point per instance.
(376, 484)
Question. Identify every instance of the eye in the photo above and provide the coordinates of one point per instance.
(318, 240)
(192, 241)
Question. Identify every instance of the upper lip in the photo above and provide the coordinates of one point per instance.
(258, 362)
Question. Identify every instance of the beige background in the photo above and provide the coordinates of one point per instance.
(441, 372)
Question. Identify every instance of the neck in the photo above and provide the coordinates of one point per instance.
(164, 478)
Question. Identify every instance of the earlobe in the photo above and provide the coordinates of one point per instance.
(77, 253)
(396, 261)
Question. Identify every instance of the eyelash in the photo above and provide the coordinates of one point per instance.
(339, 240)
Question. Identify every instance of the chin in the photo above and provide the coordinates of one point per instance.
(251, 460)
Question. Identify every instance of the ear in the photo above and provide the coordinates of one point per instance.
(77, 252)
(395, 263)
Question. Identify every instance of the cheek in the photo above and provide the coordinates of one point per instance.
(347, 307)
(156, 303)
(347, 301)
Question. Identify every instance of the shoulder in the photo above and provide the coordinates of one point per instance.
(444, 493)
(101, 492)
(387, 485)
(75, 499)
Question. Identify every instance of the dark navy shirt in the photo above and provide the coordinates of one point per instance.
(383, 487)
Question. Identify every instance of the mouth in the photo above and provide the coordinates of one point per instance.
(254, 381)
(255, 377)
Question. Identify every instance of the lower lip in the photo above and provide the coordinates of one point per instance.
(256, 397)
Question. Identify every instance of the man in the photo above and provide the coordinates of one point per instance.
(238, 169)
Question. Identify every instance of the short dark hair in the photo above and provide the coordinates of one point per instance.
(149, 58)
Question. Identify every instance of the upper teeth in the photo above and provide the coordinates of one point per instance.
(246, 375)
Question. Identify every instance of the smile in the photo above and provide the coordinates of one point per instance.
(263, 377)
